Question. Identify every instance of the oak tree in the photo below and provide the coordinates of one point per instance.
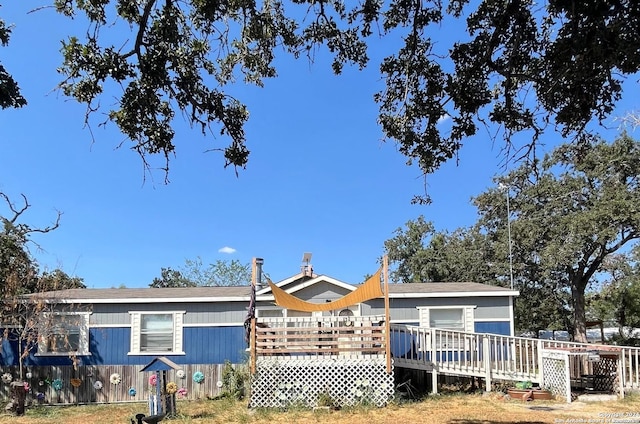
(195, 273)
(518, 65)
(170, 277)
(570, 213)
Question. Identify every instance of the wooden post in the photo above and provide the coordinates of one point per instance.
(486, 353)
(434, 363)
(387, 314)
(567, 378)
(539, 366)
(252, 335)
(619, 368)
(252, 346)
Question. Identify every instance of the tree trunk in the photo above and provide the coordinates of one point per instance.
(19, 395)
(21, 359)
(579, 311)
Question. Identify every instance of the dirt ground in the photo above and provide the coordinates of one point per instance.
(452, 409)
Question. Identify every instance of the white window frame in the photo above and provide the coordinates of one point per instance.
(467, 315)
(178, 333)
(468, 318)
(83, 341)
(260, 312)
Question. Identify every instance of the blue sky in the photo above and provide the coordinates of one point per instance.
(319, 179)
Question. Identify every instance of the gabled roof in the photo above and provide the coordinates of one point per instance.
(285, 282)
(301, 281)
(161, 363)
(409, 290)
(149, 295)
(242, 293)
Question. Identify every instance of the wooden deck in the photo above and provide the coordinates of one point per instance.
(325, 336)
(439, 352)
(298, 360)
(492, 357)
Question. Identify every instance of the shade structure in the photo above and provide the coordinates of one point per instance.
(370, 289)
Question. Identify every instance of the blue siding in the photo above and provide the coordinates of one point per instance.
(110, 346)
(9, 354)
(502, 328)
(215, 345)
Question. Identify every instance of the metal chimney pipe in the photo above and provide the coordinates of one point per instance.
(259, 262)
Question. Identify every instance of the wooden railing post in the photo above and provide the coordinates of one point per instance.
(387, 313)
(539, 366)
(486, 352)
(252, 346)
(434, 364)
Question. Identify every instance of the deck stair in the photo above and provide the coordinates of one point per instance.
(300, 360)
(495, 357)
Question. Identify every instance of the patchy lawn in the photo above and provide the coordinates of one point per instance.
(451, 409)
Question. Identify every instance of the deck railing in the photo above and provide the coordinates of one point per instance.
(489, 355)
(307, 336)
(469, 354)
(629, 359)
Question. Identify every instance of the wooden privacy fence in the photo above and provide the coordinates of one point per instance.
(95, 385)
(489, 356)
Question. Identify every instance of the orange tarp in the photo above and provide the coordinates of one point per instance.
(370, 289)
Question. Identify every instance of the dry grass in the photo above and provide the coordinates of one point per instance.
(451, 409)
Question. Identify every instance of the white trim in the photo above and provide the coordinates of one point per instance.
(320, 279)
(511, 318)
(317, 279)
(214, 324)
(454, 294)
(163, 353)
(491, 319)
(447, 307)
(263, 298)
(178, 334)
(265, 295)
(217, 324)
(415, 322)
(158, 312)
(284, 282)
(153, 300)
(468, 316)
(83, 334)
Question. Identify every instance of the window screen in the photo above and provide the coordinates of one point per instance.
(156, 332)
(448, 319)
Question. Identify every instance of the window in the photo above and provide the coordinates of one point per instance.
(454, 318)
(269, 313)
(458, 318)
(447, 319)
(64, 334)
(156, 332)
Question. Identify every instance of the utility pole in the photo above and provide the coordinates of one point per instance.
(507, 190)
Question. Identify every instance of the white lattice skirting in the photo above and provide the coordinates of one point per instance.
(282, 382)
(555, 378)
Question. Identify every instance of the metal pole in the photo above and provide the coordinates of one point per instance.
(509, 235)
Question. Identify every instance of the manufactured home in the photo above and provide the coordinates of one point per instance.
(106, 336)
